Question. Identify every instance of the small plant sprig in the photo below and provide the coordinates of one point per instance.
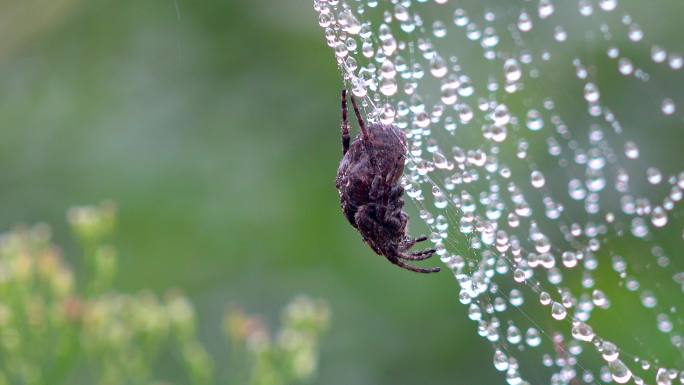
(59, 328)
(289, 357)
(54, 331)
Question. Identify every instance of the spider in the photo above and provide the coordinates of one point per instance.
(370, 194)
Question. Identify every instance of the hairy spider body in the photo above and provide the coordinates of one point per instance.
(370, 193)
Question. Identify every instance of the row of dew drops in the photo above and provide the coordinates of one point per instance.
(392, 74)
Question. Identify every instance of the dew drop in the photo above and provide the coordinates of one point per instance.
(512, 70)
(668, 106)
(558, 311)
(534, 120)
(658, 54)
(653, 175)
(560, 34)
(635, 33)
(591, 93)
(608, 5)
(532, 337)
(500, 361)
(619, 372)
(537, 179)
(625, 66)
(648, 299)
(658, 217)
(582, 332)
(460, 17)
(388, 86)
(609, 351)
(545, 9)
(675, 61)
(439, 29)
(438, 67)
(524, 22)
(631, 150)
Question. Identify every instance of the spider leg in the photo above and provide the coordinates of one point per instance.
(375, 188)
(396, 192)
(419, 255)
(345, 123)
(362, 124)
(416, 269)
(409, 242)
(400, 170)
(393, 222)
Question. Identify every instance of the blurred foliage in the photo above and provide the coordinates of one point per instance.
(58, 328)
(289, 358)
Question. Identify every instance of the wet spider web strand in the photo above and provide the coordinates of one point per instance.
(476, 263)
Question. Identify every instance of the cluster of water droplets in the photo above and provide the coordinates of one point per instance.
(543, 140)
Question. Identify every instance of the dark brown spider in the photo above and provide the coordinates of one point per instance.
(370, 193)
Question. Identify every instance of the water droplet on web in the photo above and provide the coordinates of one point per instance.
(591, 93)
(608, 5)
(559, 33)
(513, 335)
(545, 8)
(438, 66)
(582, 331)
(388, 86)
(532, 337)
(558, 311)
(658, 54)
(341, 50)
(535, 177)
(631, 150)
(654, 176)
(609, 351)
(648, 299)
(500, 361)
(512, 70)
(625, 66)
(658, 217)
(585, 8)
(675, 61)
(599, 299)
(534, 120)
(460, 17)
(619, 371)
(439, 29)
(664, 324)
(663, 377)
(635, 33)
(544, 298)
(350, 24)
(524, 22)
(668, 106)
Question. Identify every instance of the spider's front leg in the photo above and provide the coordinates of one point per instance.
(409, 242)
(345, 124)
(416, 269)
(370, 228)
(418, 255)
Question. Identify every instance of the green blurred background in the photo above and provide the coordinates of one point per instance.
(214, 127)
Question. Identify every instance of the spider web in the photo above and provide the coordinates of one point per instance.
(545, 156)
